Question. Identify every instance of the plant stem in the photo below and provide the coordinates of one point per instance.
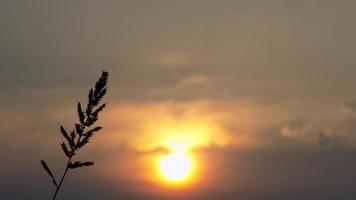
(60, 183)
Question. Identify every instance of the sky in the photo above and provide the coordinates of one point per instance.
(262, 93)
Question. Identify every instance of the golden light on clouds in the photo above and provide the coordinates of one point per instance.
(165, 125)
(165, 137)
(165, 143)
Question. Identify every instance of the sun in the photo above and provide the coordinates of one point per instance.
(175, 167)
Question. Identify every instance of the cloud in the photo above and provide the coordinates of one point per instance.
(350, 105)
(189, 86)
(329, 127)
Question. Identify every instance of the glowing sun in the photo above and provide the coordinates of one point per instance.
(175, 166)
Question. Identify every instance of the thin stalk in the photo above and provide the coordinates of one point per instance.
(60, 183)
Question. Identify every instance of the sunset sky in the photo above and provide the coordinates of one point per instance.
(255, 99)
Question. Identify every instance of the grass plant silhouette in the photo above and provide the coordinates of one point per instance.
(82, 131)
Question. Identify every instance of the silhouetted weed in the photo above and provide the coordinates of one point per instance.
(82, 131)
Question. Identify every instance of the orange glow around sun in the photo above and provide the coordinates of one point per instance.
(169, 138)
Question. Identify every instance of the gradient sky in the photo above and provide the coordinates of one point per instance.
(264, 91)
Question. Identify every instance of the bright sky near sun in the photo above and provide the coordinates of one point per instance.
(172, 140)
